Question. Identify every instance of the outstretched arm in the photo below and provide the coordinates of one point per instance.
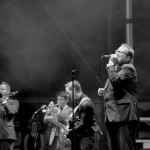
(12, 106)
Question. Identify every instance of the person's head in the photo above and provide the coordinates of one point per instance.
(17, 124)
(125, 54)
(4, 88)
(77, 89)
(62, 98)
(34, 125)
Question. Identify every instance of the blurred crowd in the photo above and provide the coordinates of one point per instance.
(35, 137)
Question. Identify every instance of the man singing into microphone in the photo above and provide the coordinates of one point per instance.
(8, 109)
(119, 93)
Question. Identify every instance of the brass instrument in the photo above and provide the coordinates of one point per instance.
(2, 100)
(9, 94)
(50, 107)
(44, 108)
(52, 117)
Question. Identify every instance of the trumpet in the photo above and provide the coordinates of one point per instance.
(9, 94)
(50, 107)
(2, 100)
(44, 108)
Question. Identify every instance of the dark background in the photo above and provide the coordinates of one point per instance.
(42, 41)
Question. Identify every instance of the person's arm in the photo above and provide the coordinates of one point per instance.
(12, 106)
(51, 114)
(42, 141)
(19, 139)
(25, 141)
(48, 113)
(86, 116)
(126, 72)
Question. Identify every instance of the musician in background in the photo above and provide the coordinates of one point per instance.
(60, 115)
(84, 122)
(8, 109)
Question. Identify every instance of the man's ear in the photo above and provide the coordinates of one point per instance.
(129, 58)
(67, 100)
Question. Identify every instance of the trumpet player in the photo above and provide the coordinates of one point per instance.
(60, 114)
(8, 109)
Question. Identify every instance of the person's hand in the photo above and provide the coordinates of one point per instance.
(55, 109)
(66, 130)
(101, 91)
(113, 58)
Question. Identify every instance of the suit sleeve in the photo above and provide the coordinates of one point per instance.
(86, 116)
(126, 73)
(12, 106)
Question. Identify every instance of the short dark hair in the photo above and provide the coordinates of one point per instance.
(63, 94)
(31, 121)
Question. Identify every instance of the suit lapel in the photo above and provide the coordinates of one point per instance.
(106, 84)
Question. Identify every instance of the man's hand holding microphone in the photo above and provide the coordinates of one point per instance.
(113, 59)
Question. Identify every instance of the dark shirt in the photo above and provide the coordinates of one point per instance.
(34, 142)
(84, 119)
(84, 116)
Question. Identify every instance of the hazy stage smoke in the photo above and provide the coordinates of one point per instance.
(36, 50)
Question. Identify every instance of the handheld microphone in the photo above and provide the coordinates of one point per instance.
(106, 56)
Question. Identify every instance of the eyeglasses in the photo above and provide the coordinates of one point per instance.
(116, 51)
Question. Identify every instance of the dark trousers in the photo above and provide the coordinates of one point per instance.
(88, 143)
(6, 144)
(121, 135)
(85, 142)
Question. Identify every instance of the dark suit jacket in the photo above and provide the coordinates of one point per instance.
(86, 116)
(120, 93)
(7, 113)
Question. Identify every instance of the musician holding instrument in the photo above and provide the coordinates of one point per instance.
(82, 135)
(56, 117)
(8, 109)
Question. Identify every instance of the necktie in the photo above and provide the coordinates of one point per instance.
(61, 109)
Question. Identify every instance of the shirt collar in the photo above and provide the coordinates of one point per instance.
(64, 107)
